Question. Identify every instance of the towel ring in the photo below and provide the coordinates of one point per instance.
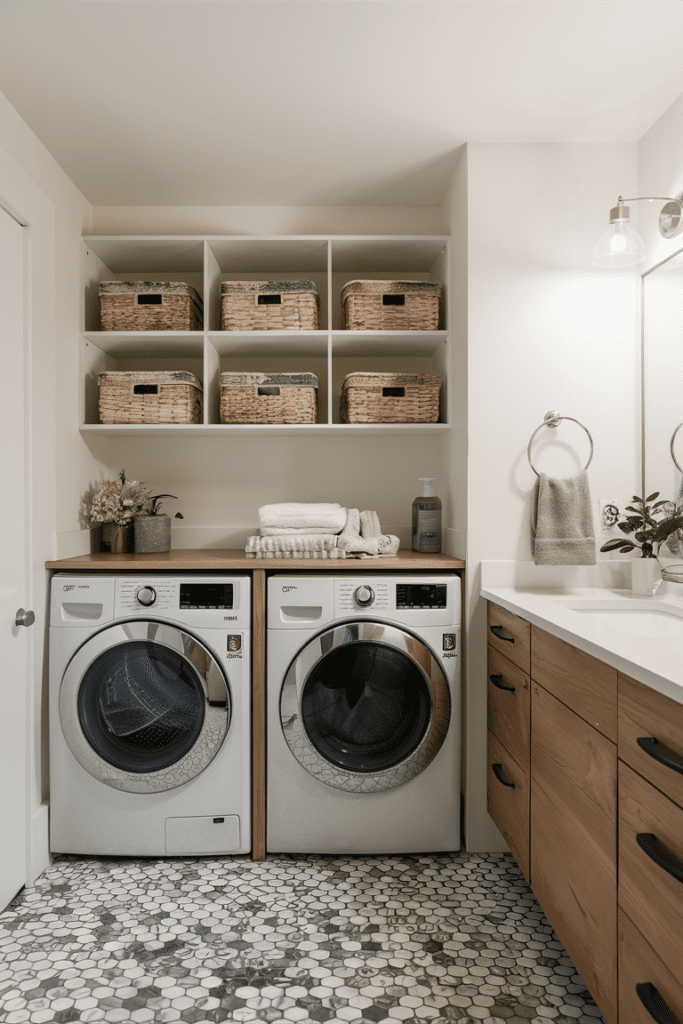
(673, 455)
(552, 419)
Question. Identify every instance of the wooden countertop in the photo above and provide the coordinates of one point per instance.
(220, 559)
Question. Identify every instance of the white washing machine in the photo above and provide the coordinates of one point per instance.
(150, 695)
(363, 714)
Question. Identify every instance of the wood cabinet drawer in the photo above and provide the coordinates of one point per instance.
(509, 634)
(507, 801)
(640, 969)
(508, 706)
(584, 684)
(655, 721)
(651, 866)
(573, 824)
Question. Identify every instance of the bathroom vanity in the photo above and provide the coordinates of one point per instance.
(585, 782)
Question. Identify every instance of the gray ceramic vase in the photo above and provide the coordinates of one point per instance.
(152, 533)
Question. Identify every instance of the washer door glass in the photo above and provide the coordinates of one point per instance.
(141, 706)
(144, 706)
(365, 706)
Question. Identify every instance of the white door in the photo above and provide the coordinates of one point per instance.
(14, 640)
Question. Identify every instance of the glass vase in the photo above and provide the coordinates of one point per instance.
(115, 539)
(646, 575)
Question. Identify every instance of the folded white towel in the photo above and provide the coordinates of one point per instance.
(303, 514)
(297, 531)
(303, 546)
(362, 536)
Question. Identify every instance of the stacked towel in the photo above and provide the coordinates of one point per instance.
(309, 518)
(562, 521)
(295, 530)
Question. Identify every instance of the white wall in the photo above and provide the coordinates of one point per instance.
(545, 331)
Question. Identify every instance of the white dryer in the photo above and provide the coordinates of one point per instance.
(363, 714)
(150, 696)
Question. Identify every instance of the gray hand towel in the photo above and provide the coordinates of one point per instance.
(562, 530)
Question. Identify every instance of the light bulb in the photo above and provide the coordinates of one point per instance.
(620, 246)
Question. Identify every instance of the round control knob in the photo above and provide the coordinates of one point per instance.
(364, 596)
(146, 596)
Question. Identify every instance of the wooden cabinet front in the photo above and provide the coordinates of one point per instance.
(651, 736)
(584, 684)
(508, 706)
(573, 828)
(648, 992)
(507, 801)
(510, 635)
(651, 866)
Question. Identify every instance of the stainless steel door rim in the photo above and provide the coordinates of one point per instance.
(381, 635)
(200, 662)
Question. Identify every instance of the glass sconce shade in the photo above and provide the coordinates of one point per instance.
(620, 246)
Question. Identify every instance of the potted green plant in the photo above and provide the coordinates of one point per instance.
(153, 527)
(113, 508)
(650, 522)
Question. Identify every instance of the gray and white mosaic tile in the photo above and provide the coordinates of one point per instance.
(433, 938)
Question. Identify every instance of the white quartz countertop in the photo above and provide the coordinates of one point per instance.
(641, 636)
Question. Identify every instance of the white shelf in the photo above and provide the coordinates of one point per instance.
(204, 262)
(269, 343)
(253, 429)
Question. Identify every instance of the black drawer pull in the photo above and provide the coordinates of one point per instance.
(654, 1004)
(498, 681)
(149, 300)
(268, 389)
(660, 753)
(145, 389)
(393, 300)
(498, 772)
(648, 842)
(502, 633)
(268, 300)
(391, 392)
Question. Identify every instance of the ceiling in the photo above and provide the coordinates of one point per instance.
(327, 102)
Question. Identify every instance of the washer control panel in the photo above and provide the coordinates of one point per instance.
(135, 595)
(353, 595)
(421, 595)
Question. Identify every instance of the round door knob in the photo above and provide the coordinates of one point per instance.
(364, 596)
(24, 618)
(146, 596)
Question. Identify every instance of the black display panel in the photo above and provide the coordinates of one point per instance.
(421, 595)
(206, 595)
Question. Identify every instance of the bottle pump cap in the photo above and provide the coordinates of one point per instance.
(427, 485)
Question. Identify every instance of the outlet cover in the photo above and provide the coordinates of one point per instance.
(608, 515)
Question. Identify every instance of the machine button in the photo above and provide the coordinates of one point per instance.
(364, 596)
(146, 596)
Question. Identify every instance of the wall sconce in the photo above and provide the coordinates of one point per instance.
(620, 246)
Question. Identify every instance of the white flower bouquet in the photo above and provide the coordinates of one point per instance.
(119, 501)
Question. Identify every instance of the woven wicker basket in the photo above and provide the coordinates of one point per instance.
(150, 306)
(391, 305)
(390, 398)
(269, 397)
(269, 306)
(158, 396)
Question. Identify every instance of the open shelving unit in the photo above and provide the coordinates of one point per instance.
(330, 352)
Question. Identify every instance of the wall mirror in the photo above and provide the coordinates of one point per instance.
(662, 376)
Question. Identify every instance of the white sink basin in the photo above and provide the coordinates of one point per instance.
(638, 618)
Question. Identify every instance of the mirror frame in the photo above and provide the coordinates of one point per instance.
(643, 426)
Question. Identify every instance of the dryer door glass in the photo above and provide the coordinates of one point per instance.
(141, 706)
(366, 706)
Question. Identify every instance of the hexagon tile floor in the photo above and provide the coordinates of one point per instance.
(311, 939)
